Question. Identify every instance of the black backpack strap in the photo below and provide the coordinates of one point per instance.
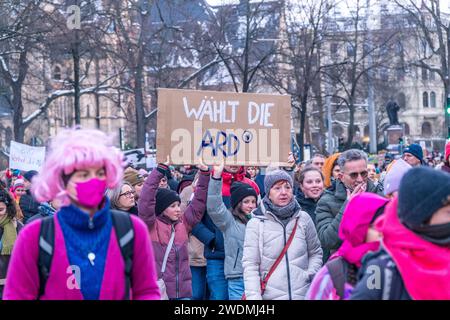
(46, 250)
(336, 269)
(393, 285)
(125, 235)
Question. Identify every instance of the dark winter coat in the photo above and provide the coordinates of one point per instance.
(308, 205)
(260, 182)
(329, 212)
(390, 284)
(29, 206)
(45, 210)
(133, 210)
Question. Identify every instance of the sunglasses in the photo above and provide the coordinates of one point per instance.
(354, 175)
(127, 194)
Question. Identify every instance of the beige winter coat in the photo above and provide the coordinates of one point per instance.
(265, 238)
(195, 247)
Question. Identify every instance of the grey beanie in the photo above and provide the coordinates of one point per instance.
(275, 176)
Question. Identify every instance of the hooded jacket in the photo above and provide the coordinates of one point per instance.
(177, 275)
(265, 238)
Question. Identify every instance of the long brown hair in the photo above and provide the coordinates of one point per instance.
(10, 203)
(239, 214)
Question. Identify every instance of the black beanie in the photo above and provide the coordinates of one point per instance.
(164, 198)
(422, 192)
(239, 191)
(29, 175)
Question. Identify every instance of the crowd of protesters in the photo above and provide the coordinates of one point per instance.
(314, 230)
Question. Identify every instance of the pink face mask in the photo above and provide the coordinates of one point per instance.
(90, 193)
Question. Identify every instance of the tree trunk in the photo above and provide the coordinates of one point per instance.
(19, 130)
(321, 115)
(447, 85)
(350, 129)
(76, 78)
(140, 112)
(301, 143)
(245, 84)
(97, 97)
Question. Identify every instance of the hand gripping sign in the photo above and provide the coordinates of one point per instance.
(242, 128)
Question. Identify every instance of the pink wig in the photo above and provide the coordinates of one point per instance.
(76, 149)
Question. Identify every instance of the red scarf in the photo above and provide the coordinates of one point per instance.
(229, 178)
(424, 266)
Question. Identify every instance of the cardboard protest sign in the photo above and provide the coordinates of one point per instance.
(25, 157)
(242, 128)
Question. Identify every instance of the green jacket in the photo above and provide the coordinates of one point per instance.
(329, 212)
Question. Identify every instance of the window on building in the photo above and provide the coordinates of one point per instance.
(406, 126)
(399, 48)
(432, 75)
(433, 99)
(349, 74)
(384, 74)
(401, 100)
(350, 50)
(424, 47)
(400, 73)
(348, 25)
(56, 73)
(426, 130)
(425, 99)
(424, 74)
(333, 48)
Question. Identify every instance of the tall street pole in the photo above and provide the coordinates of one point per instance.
(370, 98)
(330, 144)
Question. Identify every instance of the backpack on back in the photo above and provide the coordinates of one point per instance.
(338, 273)
(393, 288)
(125, 234)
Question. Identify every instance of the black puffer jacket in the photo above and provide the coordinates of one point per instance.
(308, 205)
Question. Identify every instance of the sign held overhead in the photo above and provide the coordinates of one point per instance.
(242, 128)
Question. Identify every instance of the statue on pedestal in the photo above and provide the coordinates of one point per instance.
(392, 108)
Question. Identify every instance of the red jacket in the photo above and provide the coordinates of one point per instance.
(228, 178)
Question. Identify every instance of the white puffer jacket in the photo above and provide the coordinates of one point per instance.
(265, 238)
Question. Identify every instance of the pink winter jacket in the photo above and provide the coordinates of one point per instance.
(22, 281)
